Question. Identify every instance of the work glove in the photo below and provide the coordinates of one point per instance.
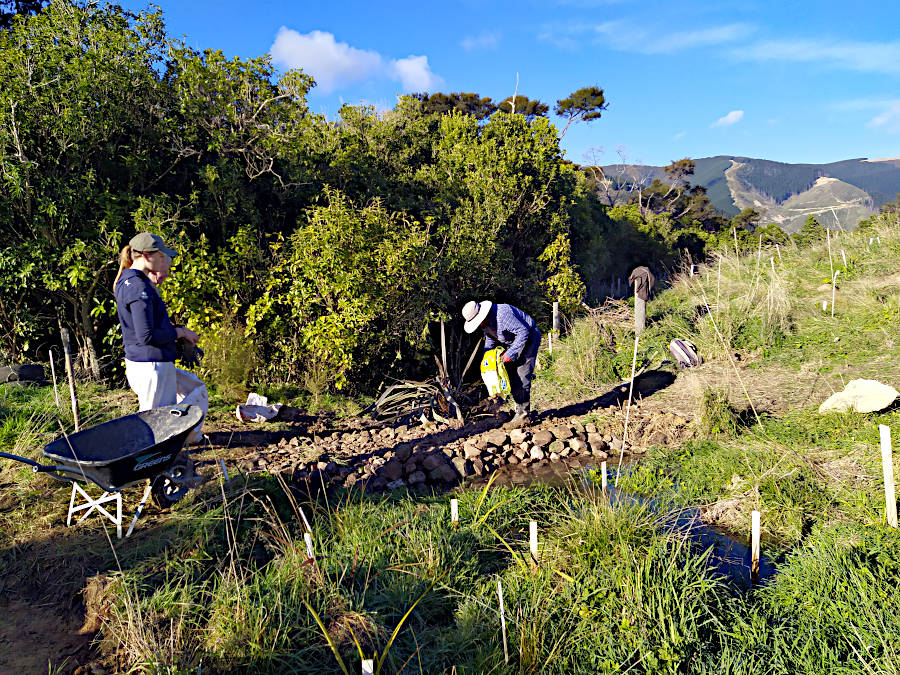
(506, 359)
(188, 353)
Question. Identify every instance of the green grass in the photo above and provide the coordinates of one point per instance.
(222, 583)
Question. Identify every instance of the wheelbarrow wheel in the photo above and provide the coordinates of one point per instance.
(170, 486)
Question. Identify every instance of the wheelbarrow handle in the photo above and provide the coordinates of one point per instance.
(24, 460)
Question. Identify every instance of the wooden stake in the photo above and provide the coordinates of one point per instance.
(70, 373)
(53, 374)
(444, 351)
(824, 305)
(309, 547)
(887, 467)
(454, 512)
(830, 259)
(532, 537)
(718, 284)
(778, 249)
(603, 477)
(754, 547)
(368, 667)
(628, 409)
(556, 318)
(844, 258)
(772, 260)
(833, 289)
(550, 338)
(502, 621)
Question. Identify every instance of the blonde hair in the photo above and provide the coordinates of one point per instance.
(126, 258)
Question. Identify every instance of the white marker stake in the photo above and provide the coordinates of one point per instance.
(833, 289)
(368, 667)
(532, 527)
(305, 521)
(309, 549)
(824, 305)
(844, 257)
(772, 260)
(878, 239)
(871, 239)
(778, 249)
(692, 270)
(887, 466)
(551, 342)
(502, 621)
(754, 547)
(454, 512)
(603, 480)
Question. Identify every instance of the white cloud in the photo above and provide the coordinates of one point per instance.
(733, 117)
(333, 64)
(336, 65)
(484, 40)
(880, 57)
(626, 36)
(887, 112)
(679, 135)
(414, 73)
(888, 119)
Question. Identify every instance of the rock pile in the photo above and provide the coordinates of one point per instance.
(440, 456)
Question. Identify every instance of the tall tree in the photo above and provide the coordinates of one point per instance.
(10, 8)
(522, 105)
(585, 104)
(469, 103)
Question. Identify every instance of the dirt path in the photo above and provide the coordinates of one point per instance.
(36, 638)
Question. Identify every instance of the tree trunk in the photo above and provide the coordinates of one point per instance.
(89, 335)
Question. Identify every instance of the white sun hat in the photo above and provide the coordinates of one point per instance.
(475, 313)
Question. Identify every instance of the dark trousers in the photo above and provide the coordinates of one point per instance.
(521, 371)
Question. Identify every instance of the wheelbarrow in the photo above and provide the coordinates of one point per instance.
(122, 452)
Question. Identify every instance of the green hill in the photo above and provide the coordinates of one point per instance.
(734, 182)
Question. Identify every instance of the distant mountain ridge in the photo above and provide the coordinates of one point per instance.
(839, 194)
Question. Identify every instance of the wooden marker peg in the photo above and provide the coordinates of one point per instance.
(454, 512)
(887, 467)
(532, 531)
(754, 547)
(603, 478)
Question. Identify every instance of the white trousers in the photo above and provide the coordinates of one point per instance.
(159, 383)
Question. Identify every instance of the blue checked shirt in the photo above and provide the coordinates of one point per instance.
(509, 326)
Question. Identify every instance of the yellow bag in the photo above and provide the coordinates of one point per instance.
(493, 372)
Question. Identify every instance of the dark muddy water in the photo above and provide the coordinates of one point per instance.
(729, 554)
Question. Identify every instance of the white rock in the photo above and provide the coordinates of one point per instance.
(863, 396)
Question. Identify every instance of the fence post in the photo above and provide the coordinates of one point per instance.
(70, 373)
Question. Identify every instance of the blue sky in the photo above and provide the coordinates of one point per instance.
(789, 81)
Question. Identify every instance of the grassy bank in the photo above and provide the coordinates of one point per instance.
(223, 583)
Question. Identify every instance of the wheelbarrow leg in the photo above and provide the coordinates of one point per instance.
(137, 514)
(96, 504)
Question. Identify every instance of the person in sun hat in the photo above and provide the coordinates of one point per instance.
(147, 331)
(518, 332)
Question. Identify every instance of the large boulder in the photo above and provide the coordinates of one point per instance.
(863, 396)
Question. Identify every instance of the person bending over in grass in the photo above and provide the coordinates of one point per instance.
(513, 328)
(148, 333)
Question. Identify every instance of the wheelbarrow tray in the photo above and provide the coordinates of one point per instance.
(125, 450)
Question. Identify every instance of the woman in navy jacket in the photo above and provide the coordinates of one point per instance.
(147, 331)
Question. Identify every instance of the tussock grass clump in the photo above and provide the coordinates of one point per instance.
(717, 415)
